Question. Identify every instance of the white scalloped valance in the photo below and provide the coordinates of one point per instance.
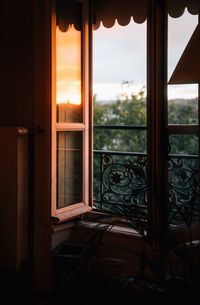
(108, 11)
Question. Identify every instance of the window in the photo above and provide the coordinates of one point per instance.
(146, 141)
(70, 116)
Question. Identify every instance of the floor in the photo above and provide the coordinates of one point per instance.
(88, 290)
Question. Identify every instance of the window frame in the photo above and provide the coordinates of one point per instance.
(71, 211)
(158, 129)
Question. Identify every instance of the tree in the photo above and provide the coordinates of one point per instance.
(123, 112)
(132, 111)
(183, 112)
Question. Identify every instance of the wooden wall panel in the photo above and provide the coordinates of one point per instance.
(13, 197)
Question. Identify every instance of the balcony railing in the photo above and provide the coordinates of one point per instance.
(120, 181)
(121, 184)
(184, 195)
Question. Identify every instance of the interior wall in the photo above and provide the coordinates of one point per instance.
(16, 62)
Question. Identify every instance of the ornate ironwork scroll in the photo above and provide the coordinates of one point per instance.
(123, 183)
(184, 195)
(122, 186)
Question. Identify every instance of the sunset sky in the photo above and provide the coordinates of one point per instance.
(68, 66)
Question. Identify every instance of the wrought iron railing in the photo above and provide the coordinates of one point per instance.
(121, 183)
(184, 195)
(120, 180)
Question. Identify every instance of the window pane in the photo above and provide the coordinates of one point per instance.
(183, 110)
(183, 180)
(120, 140)
(182, 88)
(120, 73)
(183, 144)
(119, 87)
(68, 75)
(183, 165)
(69, 168)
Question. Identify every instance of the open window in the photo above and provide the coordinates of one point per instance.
(144, 167)
(70, 110)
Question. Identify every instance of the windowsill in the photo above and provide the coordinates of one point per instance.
(69, 215)
(93, 219)
(118, 229)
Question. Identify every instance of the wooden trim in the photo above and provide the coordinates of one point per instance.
(90, 103)
(69, 126)
(42, 14)
(183, 129)
(151, 116)
(72, 211)
(69, 208)
(13, 197)
(63, 226)
(161, 170)
(157, 120)
(85, 80)
(53, 116)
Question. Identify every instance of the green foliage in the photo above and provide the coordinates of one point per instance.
(127, 111)
(132, 111)
(183, 112)
(123, 112)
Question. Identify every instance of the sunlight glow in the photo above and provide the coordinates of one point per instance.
(68, 66)
(69, 98)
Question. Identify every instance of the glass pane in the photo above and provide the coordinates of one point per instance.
(120, 140)
(183, 180)
(183, 110)
(119, 87)
(69, 168)
(182, 87)
(183, 165)
(120, 74)
(183, 144)
(68, 76)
